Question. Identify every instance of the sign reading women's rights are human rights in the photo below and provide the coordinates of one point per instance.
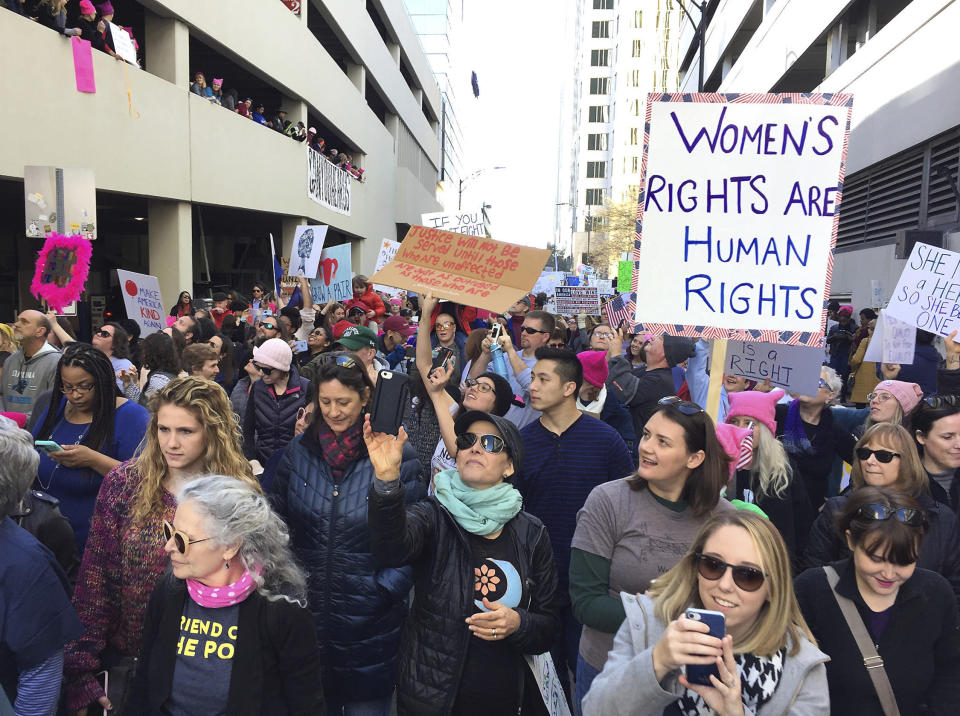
(738, 214)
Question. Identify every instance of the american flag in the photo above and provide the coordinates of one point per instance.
(746, 451)
(616, 310)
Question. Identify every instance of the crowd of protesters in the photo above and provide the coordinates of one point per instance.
(236, 537)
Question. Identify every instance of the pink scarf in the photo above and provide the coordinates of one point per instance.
(217, 597)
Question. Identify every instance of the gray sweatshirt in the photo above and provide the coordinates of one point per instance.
(627, 685)
(26, 378)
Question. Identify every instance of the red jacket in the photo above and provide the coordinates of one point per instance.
(372, 301)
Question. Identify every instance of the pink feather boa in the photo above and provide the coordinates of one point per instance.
(57, 297)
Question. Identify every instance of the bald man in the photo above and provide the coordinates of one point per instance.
(30, 371)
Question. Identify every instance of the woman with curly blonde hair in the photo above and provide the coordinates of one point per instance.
(192, 431)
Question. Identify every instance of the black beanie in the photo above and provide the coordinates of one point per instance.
(503, 392)
(677, 349)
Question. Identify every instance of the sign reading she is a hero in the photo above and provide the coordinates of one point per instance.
(738, 214)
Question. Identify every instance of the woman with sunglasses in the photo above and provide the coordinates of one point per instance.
(94, 426)
(320, 490)
(191, 432)
(486, 584)
(631, 531)
(249, 645)
(767, 662)
(887, 457)
(935, 423)
(183, 306)
(318, 343)
(907, 614)
(160, 365)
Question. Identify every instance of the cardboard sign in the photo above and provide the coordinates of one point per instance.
(466, 269)
(738, 214)
(307, 248)
(571, 300)
(388, 249)
(893, 341)
(548, 282)
(460, 222)
(141, 298)
(334, 278)
(928, 293)
(123, 44)
(624, 276)
(796, 369)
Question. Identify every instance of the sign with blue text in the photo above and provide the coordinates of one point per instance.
(893, 341)
(334, 279)
(928, 293)
(738, 214)
(796, 369)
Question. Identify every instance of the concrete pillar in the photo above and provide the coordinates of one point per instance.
(358, 75)
(392, 123)
(418, 95)
(288, 226)
(170, 238)
(394, 50)
(296, 110)
(167, 48)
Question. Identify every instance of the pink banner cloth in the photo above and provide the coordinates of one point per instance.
(83, 65)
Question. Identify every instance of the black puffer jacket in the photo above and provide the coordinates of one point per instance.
(269, 419)
(939, 552)
(436, 637)
(359, 608)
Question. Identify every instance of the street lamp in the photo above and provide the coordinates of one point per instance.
(465, 180)
(701, 30)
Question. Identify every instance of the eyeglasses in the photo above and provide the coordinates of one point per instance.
(268, 326)
(445, 324)
(884, 512)
(482, 387)
(603, 334)
(823, 383)
(531, 331)
(180, 540)
(749, 579)
(490, 443)
(883, 456)
(103, 334)
(941, 401)
(264, 368)
(684, 406)
(881, 397)
(80, 389)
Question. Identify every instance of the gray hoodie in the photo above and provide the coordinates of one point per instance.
(627, 685)
(26, 378)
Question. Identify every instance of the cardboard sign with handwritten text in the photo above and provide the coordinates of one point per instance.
(470, 270)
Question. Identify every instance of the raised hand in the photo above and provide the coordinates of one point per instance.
(384, 450)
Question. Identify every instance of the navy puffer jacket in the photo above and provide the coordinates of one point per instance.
(269, 418)
(359, 608)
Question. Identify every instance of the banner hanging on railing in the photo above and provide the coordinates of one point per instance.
(328, 184)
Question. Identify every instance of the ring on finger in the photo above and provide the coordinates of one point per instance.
(494, 633)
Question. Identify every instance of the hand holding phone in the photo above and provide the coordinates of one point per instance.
(686, 642)
(47, 446)
(389, 401)
(717, 623)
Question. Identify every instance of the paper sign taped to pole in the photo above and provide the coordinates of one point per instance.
(796, 369)
(928, 293)
(893, 341)
(738, 214)
(459, 222)
(470, 270)
(141, 298)
(571, 300)
(388, 249)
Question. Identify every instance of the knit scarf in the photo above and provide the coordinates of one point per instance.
(340, 451)
(795, 439)
(217, 597)
(480, 512)
(759, 678)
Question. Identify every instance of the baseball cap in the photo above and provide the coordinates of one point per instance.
(399, 324)
(357, 337)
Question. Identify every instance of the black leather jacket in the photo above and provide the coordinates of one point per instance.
(39, 514)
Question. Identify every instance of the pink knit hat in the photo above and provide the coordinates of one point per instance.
(595, 369)
(907, 394)
(737, 443)
(87, 8)
(275, 353)
(757, 405)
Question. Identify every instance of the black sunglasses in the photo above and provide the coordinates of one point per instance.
(884, 512)
(490, 443)
(883, 456)
(749, 579)
(684, 406)
(531, 331)
(264, 368)
(268, 326)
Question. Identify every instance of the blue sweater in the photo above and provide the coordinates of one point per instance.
(559, 471)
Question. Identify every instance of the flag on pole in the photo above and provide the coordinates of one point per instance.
(616, 310)
(277, 269)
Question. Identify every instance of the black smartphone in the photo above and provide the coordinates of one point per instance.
(389, 402)
(438, 360)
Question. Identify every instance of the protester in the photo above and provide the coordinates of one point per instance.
(890, 401)
(226, 368)
(634, 350)
(768, 662)
(221, 308)
(446, 333)
(133, 340)
(318, 343)
(392, 343)
(187, 326)
(698, 380)
(839, 339)
(515, 321)
(191, 433)
(906, 614)
(474, 552)
(332, 313)
(362, 341)
(32, 369)
(216, 90)
(183, 306)
(199, 86)
(631, 530)
(160, 365)
(113, 341)
(935, 423)
(230, 570)
(865, 376)
(201, 360)
(260, 302)
(320, 490)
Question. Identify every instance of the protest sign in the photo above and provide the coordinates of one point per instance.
(796, 369)
(893, 341)
(876, 293)
(738, 214)
(928, 293)
(624, 276)
(334, 279)
(551, 688)
(123, 44)
(61, 270)
(470, 270)
(459, 222)
(308, 246)
(571, 300)
(547, 282)
(388, 249)
(141, 298)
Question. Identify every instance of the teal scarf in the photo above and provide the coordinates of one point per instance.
(480, 512)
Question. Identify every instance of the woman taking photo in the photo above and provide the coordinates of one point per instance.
(486, 587)
(320, 490)
(906, 614)
(191, 432)
(233, 575)
(631, 531)
(94, 426)
(767, 662)
(634, 349)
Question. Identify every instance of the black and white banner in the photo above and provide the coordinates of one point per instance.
(327, 184)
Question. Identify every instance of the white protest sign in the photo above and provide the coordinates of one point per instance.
(334, 278)
(738, 214)
(571, 300)
(388, 249)
(893, 341)
(307, 249)
(141, 298)
(796, 369)
(928, 293)
(551, 689)
(547, 282)
(459, 222)
(876, 293)
(123, 44)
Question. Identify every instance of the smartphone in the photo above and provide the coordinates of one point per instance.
(299, 346)
(95, 709)
(389, 401)
(47, 446)
(438, 360)
(496, 331)
(621, 325)
(411, 351)
(700, 673)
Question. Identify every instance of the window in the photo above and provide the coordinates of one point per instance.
(599, 58)
(634, 162)
(600, 28)
(635, 107)
(596, 170)
(633, 136)
(594, 197)
(597, 142)
(603, 4)
(599, 113)
(635, 78)
(638, 18)
(635, 52)
(599, 85)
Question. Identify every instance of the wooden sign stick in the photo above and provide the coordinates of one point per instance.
(717, 360)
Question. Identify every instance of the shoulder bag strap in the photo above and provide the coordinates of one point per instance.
(871, 659)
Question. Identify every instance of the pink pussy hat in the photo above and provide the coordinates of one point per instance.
(757, 405)
(595, 369)
(907, 394)
(87, 8)
(737, 443)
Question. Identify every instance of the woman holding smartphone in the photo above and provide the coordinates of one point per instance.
(767, 662)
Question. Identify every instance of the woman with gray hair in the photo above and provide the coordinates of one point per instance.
(227, 630)
(36, 619)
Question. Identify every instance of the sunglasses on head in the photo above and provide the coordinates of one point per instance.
(532, 331)
(490, 443)
(180, 540)
(883, 456)
(749, 579)
(684, 406)
(884, 512)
